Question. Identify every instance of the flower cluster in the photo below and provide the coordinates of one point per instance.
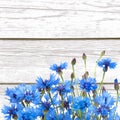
(58, 99)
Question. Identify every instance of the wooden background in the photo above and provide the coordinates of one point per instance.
(59, 18)
(63, 29)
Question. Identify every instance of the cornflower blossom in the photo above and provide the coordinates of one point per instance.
(104, 103)
(65, 116)
(47, 107)
(11, 111)
(31, 95)
(28, 113)
(88, 84)
(59, 68)
(63, 88)
(80, 103)
(24, 93)
(106, 63)
(46, 84)
(16, 94)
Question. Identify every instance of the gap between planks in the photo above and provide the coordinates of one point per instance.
(59, 38)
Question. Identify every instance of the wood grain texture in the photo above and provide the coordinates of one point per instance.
(55, 18)
(24, 61)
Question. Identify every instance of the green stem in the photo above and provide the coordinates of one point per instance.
(73, 71)
(101, 55)
(117, 98)
(61, 77)
(62, 103)
(90, 97)
(101, 84)
(96, 66)
(85, 65)
(100, 117)
(51, 101)
(50, 96)
(45, 115)
(23, 104)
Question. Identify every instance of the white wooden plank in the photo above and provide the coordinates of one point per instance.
(59, 18)
(23, 61)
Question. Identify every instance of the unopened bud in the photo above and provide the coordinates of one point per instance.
(102, 53)
(94, 93)
(84, 57)
(103, 89)
(73, 62)
(84, 94)
(85, 76)
(116, 84)
(60, 72)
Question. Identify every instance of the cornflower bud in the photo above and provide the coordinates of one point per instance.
(73, 62)
(84, 57)
(116, 84)
(86, 75)
(84, 94)
(102, 53)
(103, 89)
(94, 93)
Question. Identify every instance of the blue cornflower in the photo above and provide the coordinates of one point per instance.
(88, 84)
(51, 114)
(80, 103)
(45, 103)
(16, 94)
(105, 103)
(47, 114)
(105, 63)
(65, 116)
(28, 113)
(47, 84)
(63, 88)
(31, 95)
(11, 111)
(46, 108)
(26, 93)
(67, 102)
(58, 68)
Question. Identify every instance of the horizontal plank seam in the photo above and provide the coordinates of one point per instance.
(60, 38)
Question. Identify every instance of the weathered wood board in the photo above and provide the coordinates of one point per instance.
(59, 18)
(22, 61)
(25, 60)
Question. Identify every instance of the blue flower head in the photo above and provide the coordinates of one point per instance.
(11, 111)
(105, 104)
(28, 113)
(31, 95)
(58, 68)
(16, 94)
(105, 63)
(88, 84)
(63, 88)
(47, 84)
(80, 103)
